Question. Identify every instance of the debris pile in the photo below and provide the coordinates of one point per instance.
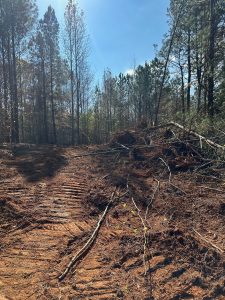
(181, 150)
(125, 138)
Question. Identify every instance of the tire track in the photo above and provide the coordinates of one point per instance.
(32, 256)
(29, 258)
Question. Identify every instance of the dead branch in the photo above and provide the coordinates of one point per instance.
(145, 244)
(212, 189)
(89, 243)
(209, 177)
(203, 166)
(178, 189)
(91, 240)
(98, 153)
(208, 242)
(196, 152)
(152, 128)
(170, 174)
(145, 228)
(105, 176)
(152, 198)
(121, 145)
(202, 138)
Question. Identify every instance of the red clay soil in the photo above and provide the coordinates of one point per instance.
(51, 200)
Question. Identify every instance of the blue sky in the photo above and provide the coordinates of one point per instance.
(122, 32)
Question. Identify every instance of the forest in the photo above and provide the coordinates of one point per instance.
(114, 190)
(47, 92)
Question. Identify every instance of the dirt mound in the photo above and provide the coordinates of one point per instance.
(126, 138)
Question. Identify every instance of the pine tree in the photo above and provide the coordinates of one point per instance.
(76, 48)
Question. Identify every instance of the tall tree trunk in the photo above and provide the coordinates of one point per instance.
(199, 79)
(189, 72)
(205, 94)
(174, 30)
(44, 99)
(212, 37)
(198, 58)
(10, 91)
(52, 104)
(72, 93)
(21, 101)
(78, 107)
(6, 118)
(182, 93)
(15, 125)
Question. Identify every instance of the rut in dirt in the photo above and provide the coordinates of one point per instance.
(54, 214)
(52, 223)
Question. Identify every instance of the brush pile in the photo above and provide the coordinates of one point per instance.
(180, 149)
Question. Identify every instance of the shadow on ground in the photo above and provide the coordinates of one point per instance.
(37, 162)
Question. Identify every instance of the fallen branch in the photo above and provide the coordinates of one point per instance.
(203, 166)
(145, 228)
(178, 189)
(209, 177)
(152, 198)
(89, 243)
(98, 153)
(212, 189)
(121, 145)
(145, 237)
(202, 138)
(196, 152)
(170, 174)
(208, 242)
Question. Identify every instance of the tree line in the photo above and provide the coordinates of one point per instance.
(47, 97)
(185, 81)
(44, 95)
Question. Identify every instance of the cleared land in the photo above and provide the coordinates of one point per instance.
(163, 239)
